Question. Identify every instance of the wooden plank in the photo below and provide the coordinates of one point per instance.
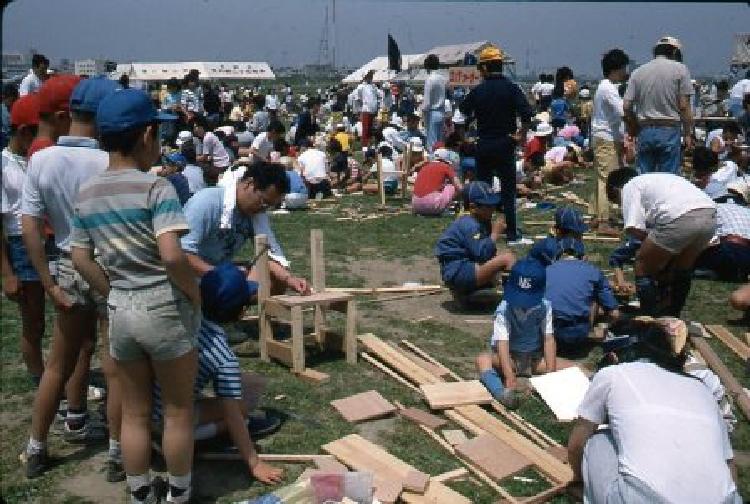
(426, 365)
(298, 341)
(731, 384)
(493, 456)
(545, 462)
(330, 464)
(387, 370)
(363, 406)
(392, 357)
(422, 417)
(450, 395)
(264, 292)
(280, 351)
(454, 436)
(444, 370)
(313, 376)
(437, 493)
(730, 340)
(381, 189)
(316, 298)
(317, 260)
(385, 290)
(416, 481)
(747, 337)
(350, 338)
(454, 475)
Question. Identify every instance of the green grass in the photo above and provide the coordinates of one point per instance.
(311, 421)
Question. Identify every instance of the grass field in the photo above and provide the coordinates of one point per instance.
(373, 253)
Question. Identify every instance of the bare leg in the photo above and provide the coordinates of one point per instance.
(31, 306)
(135, 378)
(114, 393)
(486, 273)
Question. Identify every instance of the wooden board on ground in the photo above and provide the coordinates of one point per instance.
(397, 360)
(364, 406)
(493, 456)
(330, 465)
(422, 417)
(389, 472)
(313, 376)
(454, 436)
(437, 493)
(449, 395)
(563, 391)
(730, 340)
(416, 481)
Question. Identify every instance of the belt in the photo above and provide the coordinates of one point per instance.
(736, 240)
(659, 123)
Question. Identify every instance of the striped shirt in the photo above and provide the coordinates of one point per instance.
(217, 365)
(120, 213)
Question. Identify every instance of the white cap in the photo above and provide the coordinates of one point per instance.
(227, 130)
(183, 136)
(447, 156)
(458, 117)
(584, 93)
(416, 144)
(543, 129)
(669, 40)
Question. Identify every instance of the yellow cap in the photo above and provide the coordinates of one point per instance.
(490, 53)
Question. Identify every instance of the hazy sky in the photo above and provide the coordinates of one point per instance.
(288, 32)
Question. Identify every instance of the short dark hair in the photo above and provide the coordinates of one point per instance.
(334, 146)
(385, 151)
(746, 99)
(188, 150)
(732, 127)
(431, 62)
(617, 179)
(39, 59)
(494, 66)
(276, 127)
(199, 120)
(266, 174)
(614, 60)
(281, 146)
(704, 160)
(453, 141)
(652, 343)
(173, 84)
(668, 51)
(125, 142)
(83, 116)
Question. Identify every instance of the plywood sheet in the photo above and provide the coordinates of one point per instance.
(437, 493)
(455, 436)
(493, 456)
(450, 395)
(364, 406)
(422, 417)
(563, 391)
(416, 481)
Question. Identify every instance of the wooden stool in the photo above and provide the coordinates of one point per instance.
(289, 309)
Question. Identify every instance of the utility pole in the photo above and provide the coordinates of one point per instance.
(333, 50)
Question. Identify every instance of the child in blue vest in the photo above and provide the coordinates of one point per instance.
(568, 224)
(466, 250)
(522, 335)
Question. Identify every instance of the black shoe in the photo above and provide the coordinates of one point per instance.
(114, 471)
(36, 464)
(262, 424)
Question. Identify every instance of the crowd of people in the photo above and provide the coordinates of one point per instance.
(126, 209)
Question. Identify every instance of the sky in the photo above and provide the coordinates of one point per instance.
(540, 36)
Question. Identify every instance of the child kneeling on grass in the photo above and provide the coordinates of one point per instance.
(225, 293)
(134, 220)
(522, 335)
(466, 250)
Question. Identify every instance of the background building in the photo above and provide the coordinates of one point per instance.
(90, 67)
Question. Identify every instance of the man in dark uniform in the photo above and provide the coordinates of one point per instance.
(496, 104)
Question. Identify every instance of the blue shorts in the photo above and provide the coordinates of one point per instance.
(571, 332)
(390, 187)
(19, 260)
(460, 275)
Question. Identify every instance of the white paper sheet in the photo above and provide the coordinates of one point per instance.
(563, 391)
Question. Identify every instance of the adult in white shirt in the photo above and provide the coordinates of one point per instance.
(312, 164)
(607, 130)
(213, 153)
(666, 440)
(433, 105)
(262, 145)
(38, 73)
(675, 220)
(737, 93)
(720, 140)
(367, 97)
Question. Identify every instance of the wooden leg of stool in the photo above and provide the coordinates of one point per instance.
(298, 340)
(320, 325)
(266, 334)
(350, 339)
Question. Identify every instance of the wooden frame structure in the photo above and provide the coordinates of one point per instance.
(289, 309)
(404, 173)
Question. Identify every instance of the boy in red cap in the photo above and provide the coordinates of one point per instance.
(54, 110)
(20, 280)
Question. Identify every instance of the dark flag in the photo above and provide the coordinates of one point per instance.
(394, 55)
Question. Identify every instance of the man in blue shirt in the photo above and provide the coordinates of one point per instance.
(496, 104)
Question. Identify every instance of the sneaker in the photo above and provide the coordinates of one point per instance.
(87, 434)
(520, 241)
(262, 424)
(114, 470)
(36, 463)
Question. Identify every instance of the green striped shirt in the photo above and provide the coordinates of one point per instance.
(120, 213)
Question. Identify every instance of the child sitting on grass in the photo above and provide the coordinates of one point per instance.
(466, 250)
(522, 335)
(568, 224)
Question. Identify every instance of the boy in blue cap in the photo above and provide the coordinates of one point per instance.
(523, 333)
(568, 224)
(134, 220)
(576, 289)
(225, 293)
(466, 250)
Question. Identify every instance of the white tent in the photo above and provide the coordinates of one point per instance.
(453, 55)
(209, 70)
(380, 65)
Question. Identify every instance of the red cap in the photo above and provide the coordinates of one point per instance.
(25, 111)
(54, 95)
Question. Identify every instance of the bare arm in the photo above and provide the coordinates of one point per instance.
(631, 121)
(582, 431)
(199, 266)
(177, 266)
(550, 352)
(11, 286)
(686, 114)
(506, 366)
(457, 184)
(32, 233)
(90, 270)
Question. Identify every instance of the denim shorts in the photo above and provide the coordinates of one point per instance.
(156, 322)
(460, 275)
(19, 260)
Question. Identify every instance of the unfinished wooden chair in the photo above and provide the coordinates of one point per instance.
(289, 309)
(403, 174)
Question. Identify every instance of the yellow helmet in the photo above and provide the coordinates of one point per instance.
(490, 53)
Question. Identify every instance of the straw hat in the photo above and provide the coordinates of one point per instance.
(490, 53)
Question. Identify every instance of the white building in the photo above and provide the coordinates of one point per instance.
(209, 70)
(15, 65)
(90, 67)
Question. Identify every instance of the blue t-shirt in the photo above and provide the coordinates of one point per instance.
(466, 239)
(558, 108)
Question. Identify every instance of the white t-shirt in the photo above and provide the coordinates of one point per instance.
(13, 178)
(313, 163)
(740, 89)
(53, 178)
(659, 198)
(606, 121)
(367, 95)
(388, 167)
(536, 88)
(272, 102)
(30, 84)
(263, 146)
(668, 431)
(501, 331)
(546, 88)
(213, 147)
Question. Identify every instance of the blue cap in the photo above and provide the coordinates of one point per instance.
(480, 193)
(88, 94)
(525, 285)
(570, 219)
(127, 109)
(551, 249)
(224, 291)
(177, 159)
(571, 244)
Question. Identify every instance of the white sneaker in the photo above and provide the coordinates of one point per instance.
(520, 241)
